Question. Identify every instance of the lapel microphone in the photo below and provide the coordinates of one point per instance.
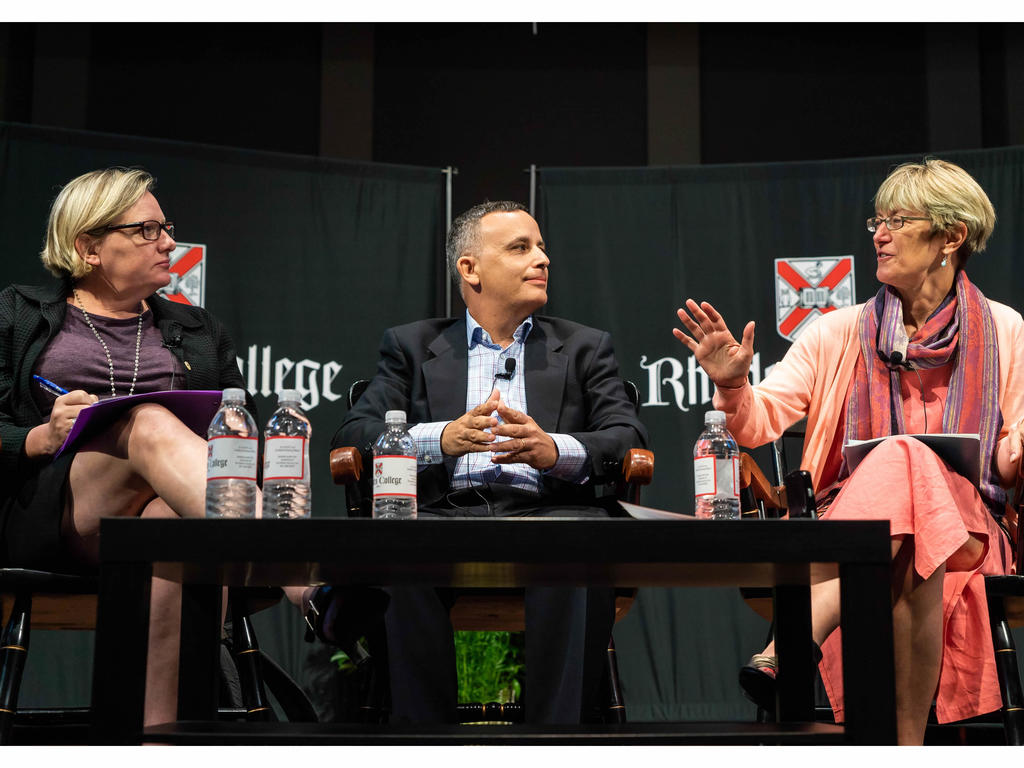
(510, 369)
(896, 360)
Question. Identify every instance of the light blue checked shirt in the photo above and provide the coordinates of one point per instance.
(485, 360)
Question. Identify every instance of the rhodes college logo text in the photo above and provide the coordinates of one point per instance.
(806, 288)
(188, 275)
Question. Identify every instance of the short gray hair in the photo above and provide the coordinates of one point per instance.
(464, 230)
(947, 194)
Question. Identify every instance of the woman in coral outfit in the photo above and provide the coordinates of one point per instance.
(928, 353)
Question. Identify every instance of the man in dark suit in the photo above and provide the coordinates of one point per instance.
(512, 414)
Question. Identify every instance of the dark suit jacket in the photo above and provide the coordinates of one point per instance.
(572, 387)
(30, 316)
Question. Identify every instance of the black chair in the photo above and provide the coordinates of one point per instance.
(36, 599)
(494, 610)
(1005, 596)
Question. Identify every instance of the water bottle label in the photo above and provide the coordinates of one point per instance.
(716, 477)
(284, 458)
(230, 457)
(394, 476)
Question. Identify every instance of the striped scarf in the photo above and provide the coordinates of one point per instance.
(960, 330)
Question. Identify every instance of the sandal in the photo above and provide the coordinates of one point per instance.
(758, 679)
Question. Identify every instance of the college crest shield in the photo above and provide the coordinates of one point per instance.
(188, 275)
(808, 287)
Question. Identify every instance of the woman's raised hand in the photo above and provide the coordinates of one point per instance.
(725, 360)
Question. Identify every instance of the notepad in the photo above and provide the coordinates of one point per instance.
(961, 451)
(638, 512)
(194, 407)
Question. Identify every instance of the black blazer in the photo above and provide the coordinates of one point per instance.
(30, 316)
(572, 387)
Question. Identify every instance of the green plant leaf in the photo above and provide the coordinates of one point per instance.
(488, 665)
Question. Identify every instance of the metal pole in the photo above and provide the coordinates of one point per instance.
(533, 190)
(449, 173)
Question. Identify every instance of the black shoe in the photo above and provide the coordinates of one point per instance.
(341, 615)
(758, 679)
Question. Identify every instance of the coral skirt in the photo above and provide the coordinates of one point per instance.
(904, 482)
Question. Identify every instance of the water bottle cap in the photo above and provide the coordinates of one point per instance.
(289, 396)
(394, 417)
(714, 417)
(233, 395)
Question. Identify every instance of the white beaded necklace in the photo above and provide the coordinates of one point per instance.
(106, 350)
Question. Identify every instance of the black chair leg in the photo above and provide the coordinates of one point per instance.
(378, 689)
(616, 704)
(247, 659)
(294, 703)
(13, 653)
(763, 715)
(1008, 672)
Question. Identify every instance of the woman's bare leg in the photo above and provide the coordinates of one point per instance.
(299, 596)
(161, 704)
(824, 612)
(917, 631)
(917, 643)
(147, 464)
(145, 454)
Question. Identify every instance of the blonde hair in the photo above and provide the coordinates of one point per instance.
(947, 194)
(88, 203)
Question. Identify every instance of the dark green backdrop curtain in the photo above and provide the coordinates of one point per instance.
(627, 247)
(308, 261)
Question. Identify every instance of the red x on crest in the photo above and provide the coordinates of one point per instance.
(811, 297)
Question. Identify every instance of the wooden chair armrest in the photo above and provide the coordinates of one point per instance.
(638, 466)
(751, 476)
(346, 465)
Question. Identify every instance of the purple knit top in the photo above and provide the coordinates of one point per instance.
(74, 359)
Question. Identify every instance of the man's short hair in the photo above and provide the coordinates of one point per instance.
(464, 231)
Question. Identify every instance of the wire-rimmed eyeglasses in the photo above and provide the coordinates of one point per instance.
(150, 229)
(892, 223)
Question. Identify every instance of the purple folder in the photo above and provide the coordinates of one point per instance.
(195, 408)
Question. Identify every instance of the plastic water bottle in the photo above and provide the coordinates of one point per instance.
(394, 471)
(286, 492)
(716, 470)
(231, 459)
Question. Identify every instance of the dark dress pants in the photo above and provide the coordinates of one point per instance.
(567, 632)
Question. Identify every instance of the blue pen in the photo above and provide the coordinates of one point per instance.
(54, 389)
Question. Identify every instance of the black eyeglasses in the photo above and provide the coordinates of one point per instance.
(150, 229)
(892, 223)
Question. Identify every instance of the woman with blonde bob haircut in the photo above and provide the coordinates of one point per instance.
(927, 353)
(87, 205)
(101, 330)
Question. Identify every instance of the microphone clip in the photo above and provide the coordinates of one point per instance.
(895, 360)
(510, 369)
